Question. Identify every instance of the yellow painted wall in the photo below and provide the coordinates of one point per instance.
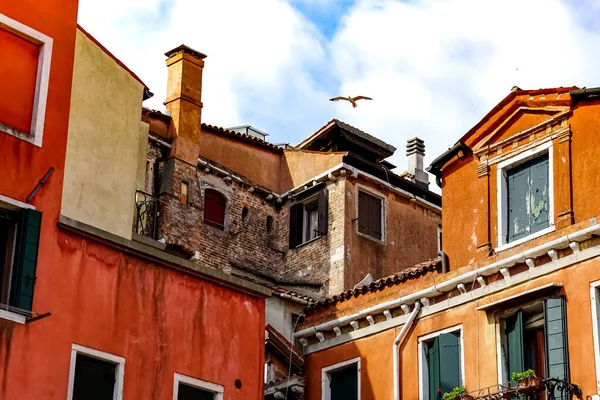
(106, 147)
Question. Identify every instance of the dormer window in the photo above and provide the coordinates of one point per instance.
(525, 197)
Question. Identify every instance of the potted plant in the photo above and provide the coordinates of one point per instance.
(526, 379)
(458, 393)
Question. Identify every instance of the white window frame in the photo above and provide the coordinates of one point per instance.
(423, 366)
(595, 299)
(502, 191)
(326, 376)
(218, 390)
(100, 355)
(36, 133)
(379, 195)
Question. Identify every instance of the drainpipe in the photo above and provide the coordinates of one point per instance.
(399, 338)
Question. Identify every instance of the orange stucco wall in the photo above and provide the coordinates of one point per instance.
(479, 339)
(258, 164)
(410, 235)
(470, 226)
(299, 166)
(160, 320)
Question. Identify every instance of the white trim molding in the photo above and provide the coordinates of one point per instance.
(44, 42)
(100, 355)
(423, 370)
(214, 388)
(595, 297)
(374, 193)
(501, 193)
(326, 376)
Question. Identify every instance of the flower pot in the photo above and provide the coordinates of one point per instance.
(529, 383)
(465, 397)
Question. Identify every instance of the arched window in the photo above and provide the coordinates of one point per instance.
(214, 209)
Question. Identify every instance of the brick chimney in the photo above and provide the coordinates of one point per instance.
(415, 151)
(184, 101)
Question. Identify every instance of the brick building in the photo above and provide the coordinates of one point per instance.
(517, 286)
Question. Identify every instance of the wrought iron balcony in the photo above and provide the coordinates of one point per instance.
(146, 215)
(548, 389)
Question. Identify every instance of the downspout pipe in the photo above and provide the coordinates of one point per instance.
(396, 346)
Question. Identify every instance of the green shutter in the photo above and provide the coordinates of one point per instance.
(514, 344)
(517, 219)
(433, 366)
(557, 356)
(450, 368)
(24, 271)
(539, 195)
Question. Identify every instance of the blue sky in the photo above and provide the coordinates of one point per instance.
(433, 67)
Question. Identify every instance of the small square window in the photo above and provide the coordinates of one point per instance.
(342, 381)
(95, 375)
(309, 219)
(370, 215)
(188, 388)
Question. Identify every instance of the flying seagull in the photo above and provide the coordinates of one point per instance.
(352, 100)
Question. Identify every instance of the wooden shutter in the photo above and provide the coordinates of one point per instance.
(539, 196)
(375, 217)
(24, 270)
(557, 350)
(432, 352)
(296, 216)
(514, 344)
(450, 368)
(363, 212)
(343, 383)
(214, 209)
(323, 215)
(517, 217)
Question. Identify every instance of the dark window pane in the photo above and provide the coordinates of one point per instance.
(94, 379)
(8, 229)
(344, 383)
(186, 392)
(214, 209)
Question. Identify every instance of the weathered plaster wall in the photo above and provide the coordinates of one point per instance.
(279, 315)
(106, 149)
(300, 166)
(161, 320)
(479, 338)
(260, 165)
(410, 235)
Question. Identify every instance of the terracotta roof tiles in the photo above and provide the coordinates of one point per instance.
(391, 280)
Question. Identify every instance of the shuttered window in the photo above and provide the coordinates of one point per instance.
(19, 242)
(186, 392)
(343, 383)
(443, 358)
(536, 338)
(528, 198)
(309, 219)
(370, 215)
(214, 209)
(94, 379)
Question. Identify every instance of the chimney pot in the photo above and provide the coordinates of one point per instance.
(415, 151)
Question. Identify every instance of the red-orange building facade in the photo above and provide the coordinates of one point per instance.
(84, 309)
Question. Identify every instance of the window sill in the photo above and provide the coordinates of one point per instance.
(12, 316)
(366, 236)
(536, 235)
(308, 242)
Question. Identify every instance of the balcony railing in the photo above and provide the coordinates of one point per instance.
(146, 215)
(549, 389)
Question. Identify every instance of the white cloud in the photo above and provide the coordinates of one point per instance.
(434, 67)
